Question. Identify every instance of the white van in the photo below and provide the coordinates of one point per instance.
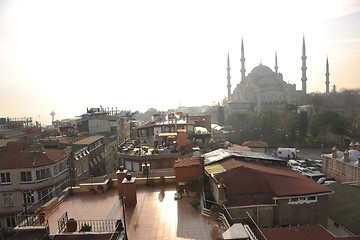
(289, 153)
(293, 164)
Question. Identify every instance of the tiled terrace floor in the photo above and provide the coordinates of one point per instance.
(156, 216)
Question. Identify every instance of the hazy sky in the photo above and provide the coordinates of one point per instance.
(69, 55)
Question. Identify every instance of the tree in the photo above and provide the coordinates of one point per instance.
(220, 115)
(326, 123)
(303, 123)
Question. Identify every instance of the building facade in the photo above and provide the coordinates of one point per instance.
(30, 177)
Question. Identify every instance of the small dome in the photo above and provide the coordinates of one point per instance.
(262, 71)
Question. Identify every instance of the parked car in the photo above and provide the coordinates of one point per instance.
(302, 163)
(319, 162)
(293, 164)
(326, 180)
(313, 170)
(314, 176)
(310, 162)
(303, 170)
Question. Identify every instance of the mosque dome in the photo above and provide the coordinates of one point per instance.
(262, 71)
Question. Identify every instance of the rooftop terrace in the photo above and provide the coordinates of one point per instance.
(157, 215)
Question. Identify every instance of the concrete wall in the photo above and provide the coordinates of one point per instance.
(285, 214)
(306, 213)
(341, 171)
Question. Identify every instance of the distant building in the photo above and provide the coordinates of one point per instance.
(264, 88)
(95, 149)
(256, 146)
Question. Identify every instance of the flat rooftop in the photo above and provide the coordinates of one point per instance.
(157, 215)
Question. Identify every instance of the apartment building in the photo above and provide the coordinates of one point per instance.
(29, 177)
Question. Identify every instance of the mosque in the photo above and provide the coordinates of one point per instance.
(265, 89)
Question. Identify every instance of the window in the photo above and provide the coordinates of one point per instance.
(8, 199)
(25, 177)
(301, 200)
(312, 198)
(5, 178)
(28, 197)
(79, 171)
(43, 174)
(85, 167)
(10, 222)
(56, 170)
(62, 166)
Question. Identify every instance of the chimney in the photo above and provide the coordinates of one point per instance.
(346, 156)
(334, 152)
(352, 146)
(357, 146)
(359, 161)
(37, 147)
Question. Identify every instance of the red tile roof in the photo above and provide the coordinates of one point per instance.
(312, 232)
(88, 140)
(14, 147)
(255, 144)
(31, 159)
(187, 162)
(236, 147)
(252, 183)
(147, 125)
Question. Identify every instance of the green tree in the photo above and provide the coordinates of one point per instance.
(326, 123)
(303, 123)
(220, 115)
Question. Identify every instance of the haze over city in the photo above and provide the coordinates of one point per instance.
(65, 56)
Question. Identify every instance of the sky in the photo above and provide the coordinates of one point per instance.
(69, 55)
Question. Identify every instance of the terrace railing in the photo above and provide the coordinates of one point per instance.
(107, 225)
(154, 173)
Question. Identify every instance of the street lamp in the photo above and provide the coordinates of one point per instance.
(123, 207)
(26, 196)
(146, 171)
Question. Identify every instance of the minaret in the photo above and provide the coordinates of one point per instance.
(242, 60)
(303, 68)
(228, 78)
(52, 117)
(327, 74)
(276, 65)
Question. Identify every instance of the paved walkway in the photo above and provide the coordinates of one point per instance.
(157, 216)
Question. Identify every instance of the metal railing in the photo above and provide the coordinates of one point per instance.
(166, 172)
(97, 225)
(107, 225)
(254, 228)
(62, 222)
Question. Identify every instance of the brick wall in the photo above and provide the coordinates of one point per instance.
(341, 171)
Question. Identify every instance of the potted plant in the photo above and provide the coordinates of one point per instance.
(119, 226)
(92, 191)
(195, 203)
(85, 228)
(100, 189)
(41, 217)
(193, 185)
(71, 225)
